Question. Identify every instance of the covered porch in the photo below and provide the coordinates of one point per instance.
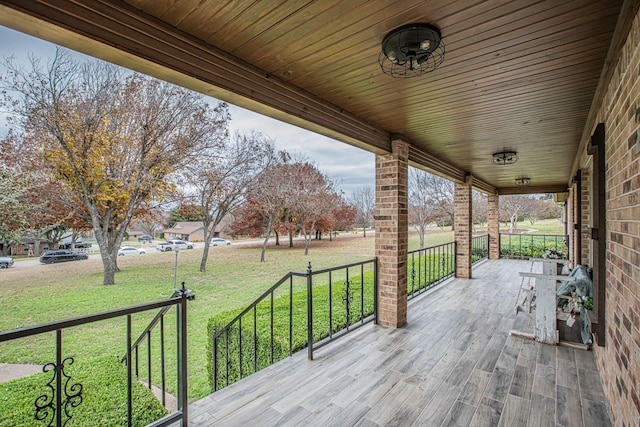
(553, 85)
(454, 363)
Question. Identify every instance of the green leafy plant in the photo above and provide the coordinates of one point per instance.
(104, 396)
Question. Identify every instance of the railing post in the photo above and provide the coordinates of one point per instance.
(309, 313)
(183, 401)
(375, 291)
(214, 361)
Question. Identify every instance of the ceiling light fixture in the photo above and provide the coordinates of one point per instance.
(505, 158)
(523, 181)
(411, 50)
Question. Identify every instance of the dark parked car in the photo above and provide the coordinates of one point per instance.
(61, 255)
(6, 261)
(77, 245)
(145, 238)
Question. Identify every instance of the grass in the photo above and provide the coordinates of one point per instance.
(234, 278)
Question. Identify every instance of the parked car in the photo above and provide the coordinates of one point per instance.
(61, 255)
(130, 250)
(172, 244)
(181, 244)
(145, 238)
(6, 261)
(218, 241)
(77, 245)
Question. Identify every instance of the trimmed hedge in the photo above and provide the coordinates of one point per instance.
(260, 333)
(429, 271)
(104, 397)
(529, 249)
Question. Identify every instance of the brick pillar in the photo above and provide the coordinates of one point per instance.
(493, 226)
(463, 227)
(392, 229)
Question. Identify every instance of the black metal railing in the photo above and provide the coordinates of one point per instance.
(301, 310)
(479, 248)
(430, 266)
(524, 246)
(55, 406)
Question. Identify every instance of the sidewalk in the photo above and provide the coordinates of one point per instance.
(10, 371)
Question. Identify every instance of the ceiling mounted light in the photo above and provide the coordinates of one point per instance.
(505, 158)
(523, 181)
(411, 50)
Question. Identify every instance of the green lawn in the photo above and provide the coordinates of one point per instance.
(234, 278)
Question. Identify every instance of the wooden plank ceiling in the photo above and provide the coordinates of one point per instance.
(518, 75)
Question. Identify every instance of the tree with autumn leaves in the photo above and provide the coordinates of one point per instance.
(112, 140)
(291, 196)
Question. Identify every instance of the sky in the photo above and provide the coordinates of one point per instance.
(349, 167)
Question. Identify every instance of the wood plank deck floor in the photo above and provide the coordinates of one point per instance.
(453, 364)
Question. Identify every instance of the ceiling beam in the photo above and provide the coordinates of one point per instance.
(121, 34)
(532, 189)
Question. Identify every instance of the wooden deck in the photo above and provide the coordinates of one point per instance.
(453, 364)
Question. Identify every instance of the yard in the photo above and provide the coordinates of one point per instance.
(234, 278)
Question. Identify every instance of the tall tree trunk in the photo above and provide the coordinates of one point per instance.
(364, 231)
(290, 238)
(110, 266)
(277, 238)
(207, 236)
(205, 256)
(266, 240)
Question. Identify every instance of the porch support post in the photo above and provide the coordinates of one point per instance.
(463, 227)
(493, 226)
(391, 219)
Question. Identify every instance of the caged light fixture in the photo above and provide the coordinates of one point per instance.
(523, 181)
(411, 50)
(505, 158)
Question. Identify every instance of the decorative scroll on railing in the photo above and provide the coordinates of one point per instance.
(301, 310)
(524, 246)
(479, 248)
(430, 266)
(56, 404)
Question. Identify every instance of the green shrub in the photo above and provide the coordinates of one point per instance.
(426, 270)
(104, 396)
(329, 315)
(529, 246)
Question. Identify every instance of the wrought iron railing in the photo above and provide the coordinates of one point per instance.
(430, 266)
(523, 246)
(55, 406)
(307, 309)
(479, 248)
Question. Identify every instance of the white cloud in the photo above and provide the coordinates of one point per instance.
(349, 166)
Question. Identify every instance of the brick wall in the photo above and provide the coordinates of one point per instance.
(619, 359)
(392, 234)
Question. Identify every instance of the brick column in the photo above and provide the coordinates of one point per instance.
(391, 218)
(493, 226)
(463, 227)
